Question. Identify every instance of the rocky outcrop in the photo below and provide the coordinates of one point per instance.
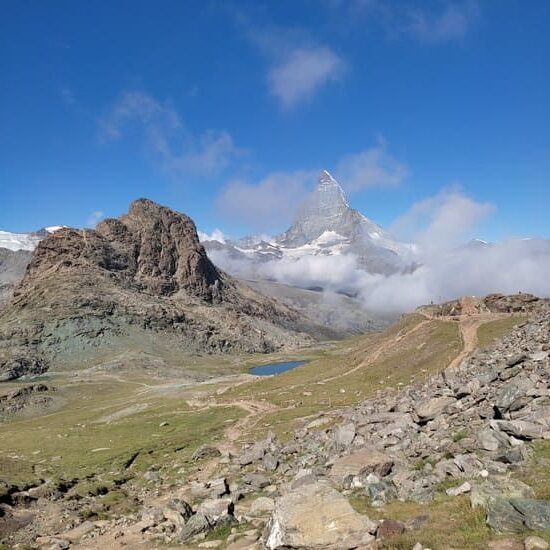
(13, 264)
(318, 517)
(139, 278)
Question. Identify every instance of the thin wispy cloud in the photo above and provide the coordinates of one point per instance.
(268, 203)
(298, 65)
(166, 139)
(304, 72)
(68, 97)
(274, 200)
(94, 218)
(371, 168)
(444, 220)
(453, 23)
(449, 21)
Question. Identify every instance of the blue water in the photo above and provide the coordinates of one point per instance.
(275, 368)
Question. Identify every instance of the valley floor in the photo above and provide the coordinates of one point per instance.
(86, 461)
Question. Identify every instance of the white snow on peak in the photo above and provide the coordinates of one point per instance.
(329, 237)
(26, 241)
(18, 241)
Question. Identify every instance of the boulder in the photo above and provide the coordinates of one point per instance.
(262, 506)
(214, 509)
(461, 489)
(205, 452)
(519, 428)
(502, 517)
(316, 516)
(498, 486)
(389, 528)
(359, 464)
(535, 543)
(196, 525)
(536, 513)
(430, 409)
(344, 435)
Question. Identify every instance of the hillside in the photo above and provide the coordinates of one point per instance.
(141, 282)
(433, 431)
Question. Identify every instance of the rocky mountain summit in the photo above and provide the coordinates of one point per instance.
(325, 225)
(143, 276)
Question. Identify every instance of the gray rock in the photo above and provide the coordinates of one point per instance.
(460, 490)
(502, 517)
(262, 506)
(301, 517)
(257, 481)
(520, 428)
(214, 509)
(536, 513)
(498, 487)
(428, 410)
(381, 492)
(360, 463)
(344, 435)
(270, 462)
(205, 451)
(196, 525)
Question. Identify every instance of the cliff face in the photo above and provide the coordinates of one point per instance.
(152, 249)
(140, 281)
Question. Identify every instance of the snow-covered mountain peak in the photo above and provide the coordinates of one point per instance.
(26, 241)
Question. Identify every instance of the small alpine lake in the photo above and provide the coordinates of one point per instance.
(275, 368)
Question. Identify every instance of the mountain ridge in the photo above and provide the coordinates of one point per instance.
(143, 274)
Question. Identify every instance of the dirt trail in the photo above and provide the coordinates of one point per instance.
(468, 326)
(374, 356)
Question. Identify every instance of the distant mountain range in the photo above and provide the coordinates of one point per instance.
(326, 225)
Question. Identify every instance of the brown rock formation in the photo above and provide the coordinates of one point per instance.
(141, 281)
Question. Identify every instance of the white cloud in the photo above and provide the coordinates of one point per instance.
(374, 167)
(216, 235)
(166, 139)
(271, 202)
(442, 221)
(94, 218)
(448, 268)
(68, 97)
(304, 71)
(452, 24)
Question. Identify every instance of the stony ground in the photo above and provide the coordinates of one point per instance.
(455, 455)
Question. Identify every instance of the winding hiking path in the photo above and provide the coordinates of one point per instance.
(468, 324)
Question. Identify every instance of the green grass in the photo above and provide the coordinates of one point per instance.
(536, 472)
(493, 330)
(450, 523)
(304, 391)
(97, 433)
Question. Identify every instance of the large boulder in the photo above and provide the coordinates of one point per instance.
(361, 463)
(317, 516)
(430, 409)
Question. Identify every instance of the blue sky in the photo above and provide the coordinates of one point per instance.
(226, 111)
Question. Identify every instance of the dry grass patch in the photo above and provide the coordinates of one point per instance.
(493, 330)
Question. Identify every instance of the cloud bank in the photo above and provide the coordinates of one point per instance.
(302, 73)
(274, 200)
(166, 140)
(448, 265)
